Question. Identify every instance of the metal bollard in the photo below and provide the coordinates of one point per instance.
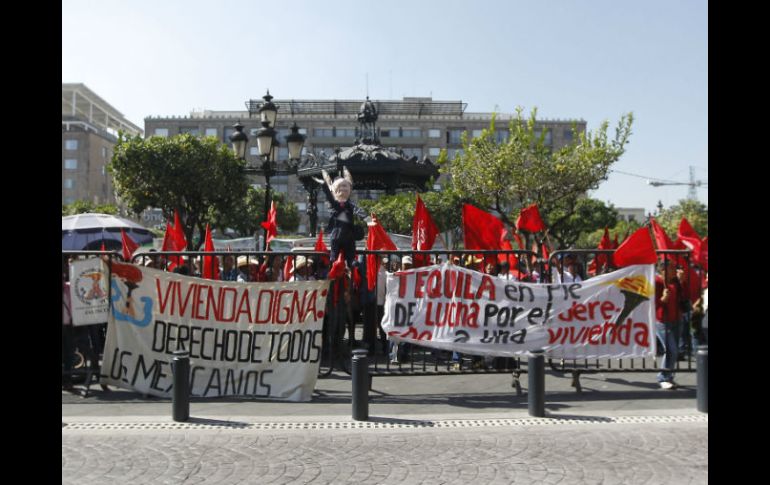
(702, 391)
(536, 391)
(360, 378)
(180, 399)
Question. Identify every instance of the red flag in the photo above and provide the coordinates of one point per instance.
(601, 259)
(338, 268)
(129, 246)
(637, 249)
(320, 246)
(661, 238)
(209, 261)
(288, 268)
(482, 230)
(168, 245)
(529, 219)
(615, 243)
(270, 224)
(704, 253)
(424, 232)
(377, 239)
(691, 239)
(180, 242)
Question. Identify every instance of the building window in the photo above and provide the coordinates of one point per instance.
(301, 206)
(69, 183)
(476, 133)
(71, 164)
(434, 152)
(69, 200)
(253, 131)
(70, 144)
(411, 132)
(413, 152)
(567, 135)
(437, 187)
(104, 170)
(189, 129)
(211, 132)
(453, 152)
(501, 136)
(345, 132)
(283, 153)
(453, 136)
(548, 139)
(323, 132)
(389, 133)
(254, 150)
(434, 133)
(226, 135)
(104, 152)
(161, 132)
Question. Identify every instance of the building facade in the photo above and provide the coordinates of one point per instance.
(89, 132)
(419, 127)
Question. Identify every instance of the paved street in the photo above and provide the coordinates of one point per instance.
(477, 452)
(423, 429)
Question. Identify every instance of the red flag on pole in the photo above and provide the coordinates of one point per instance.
(210, 263)
(690, 238)
(637, 249)
(270, 224)
(530, 220)
(377, 240)
(129, 246)
(601, 259)
(320, 246)
(482, 230)
(180, 242)
(661, 238)
(424, 232)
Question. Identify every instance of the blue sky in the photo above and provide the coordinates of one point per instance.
(594, 60)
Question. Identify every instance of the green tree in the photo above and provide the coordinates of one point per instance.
(504, 177)
(621, 229)
(396, 212)
(246, 217)
(696, 213)
(84, 206)
(196, 176)
(586, 216)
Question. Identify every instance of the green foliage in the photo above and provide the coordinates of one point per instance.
(196, 176)
(620, 228)
(586, 216)
(248, 213)
(396, 212)
(696, 213)
(505, 177)
(84, 206)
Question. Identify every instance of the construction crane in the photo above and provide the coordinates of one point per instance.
(692, 184)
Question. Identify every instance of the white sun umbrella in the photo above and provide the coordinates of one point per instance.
(90, 230)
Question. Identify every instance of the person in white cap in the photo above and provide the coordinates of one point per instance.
(303, 269)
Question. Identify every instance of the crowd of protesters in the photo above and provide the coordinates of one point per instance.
(680, 296)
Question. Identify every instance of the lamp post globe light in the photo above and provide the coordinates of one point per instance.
(268, 147)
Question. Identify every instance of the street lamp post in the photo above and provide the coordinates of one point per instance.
(268, 147)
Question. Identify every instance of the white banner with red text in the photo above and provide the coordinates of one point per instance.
(452, 308)
(244, 339)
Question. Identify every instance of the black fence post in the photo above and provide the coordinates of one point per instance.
(180, 400)
(702, 392)
(536, 391)
(360, 378)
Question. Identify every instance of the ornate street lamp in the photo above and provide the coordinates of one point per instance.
(268, 146)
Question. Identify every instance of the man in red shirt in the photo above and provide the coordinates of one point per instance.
(668, 315)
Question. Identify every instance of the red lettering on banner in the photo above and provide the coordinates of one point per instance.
(244, 307)
(452, 314)
(434, 284)
(418, 283)
(486, 285)
(602, 334)
(583, 313)
(162, 302)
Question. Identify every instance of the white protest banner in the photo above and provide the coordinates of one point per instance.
(453, 308)
(88, 291)
(244, 339)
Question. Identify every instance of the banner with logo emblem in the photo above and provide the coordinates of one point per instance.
(452, 308)
(244, 339)
(88, 291)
